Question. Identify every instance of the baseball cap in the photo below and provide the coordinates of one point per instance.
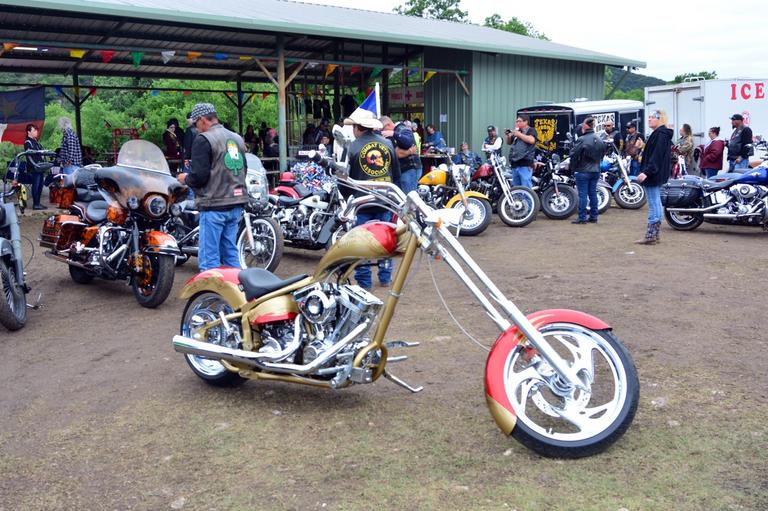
(737, 117)
(201, 110)
(631, 124)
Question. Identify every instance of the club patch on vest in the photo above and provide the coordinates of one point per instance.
(233, 160)
(375, 159)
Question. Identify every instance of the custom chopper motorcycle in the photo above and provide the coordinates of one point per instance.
(119, 237)
(259, 238)
(517, 205)
(559, 381)
(740, 199)
(445, 187)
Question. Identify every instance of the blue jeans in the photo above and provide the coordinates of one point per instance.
(708, 173)
(363, 271)
(522, 176)
(586, 184)
(37, 187)
(732, 165)
(69, 169)
(409, 180)
(218, 239)
(653, 193)
(634, 167)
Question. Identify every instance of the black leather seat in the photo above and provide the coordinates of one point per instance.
(86, 195)
(96, 211)
(258, 282)
(711, 186)
(287, 201)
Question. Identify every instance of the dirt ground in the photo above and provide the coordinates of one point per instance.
(98, 412)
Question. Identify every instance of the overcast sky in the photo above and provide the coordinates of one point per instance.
(672, 37)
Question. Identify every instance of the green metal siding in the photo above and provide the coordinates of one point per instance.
(444, 95)
(504, 83)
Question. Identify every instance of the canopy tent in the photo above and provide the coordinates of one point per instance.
(240, 41)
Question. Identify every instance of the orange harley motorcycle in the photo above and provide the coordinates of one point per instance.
(559, 381)
(113, 229)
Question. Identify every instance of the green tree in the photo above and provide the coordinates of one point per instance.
(448, 10)
(707, 75)
(514, 25)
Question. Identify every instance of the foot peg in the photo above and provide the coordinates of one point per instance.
(391, 345)
(397, 381)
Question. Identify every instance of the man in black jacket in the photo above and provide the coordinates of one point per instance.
(218, 180)
(585, 160)
(371, 158)
(739, 144)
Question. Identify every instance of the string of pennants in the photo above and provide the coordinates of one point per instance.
(191, 56)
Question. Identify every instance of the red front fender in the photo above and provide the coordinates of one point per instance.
(495, 389)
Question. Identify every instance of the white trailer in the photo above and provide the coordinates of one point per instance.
(707, 103)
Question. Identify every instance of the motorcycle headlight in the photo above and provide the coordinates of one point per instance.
(256, 182)
(156, 205)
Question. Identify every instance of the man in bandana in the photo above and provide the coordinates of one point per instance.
(371, 158)
(217, 177)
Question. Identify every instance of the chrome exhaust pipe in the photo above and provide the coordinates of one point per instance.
(64, 259)
(189, 346)
(694, 210)
(730, 216)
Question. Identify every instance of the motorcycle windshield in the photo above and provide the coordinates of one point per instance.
(141, 170)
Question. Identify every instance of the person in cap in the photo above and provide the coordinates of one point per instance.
(633, 145)
(189, 138)
(371, 158)
(611, 134)
(585, 158)
(492, 143)
(739, 145)
(217, 177)
(407, 154)
(466, 157)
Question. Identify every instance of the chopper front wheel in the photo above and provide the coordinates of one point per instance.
(529, 401)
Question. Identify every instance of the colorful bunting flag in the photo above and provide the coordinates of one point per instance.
(77, 91)
(429, 75)
(376, 72)
(264, 95)
(107, 55)
(330, 69)
(136, 57)
(413, 71)
(193, 55)
(395, 71)
(186, 92)
(354, 70)
(242, 96)
(8, 47)
(92, 91)
(245, 57)
(154, 92)
(167, 56)
(221, 56)
(77, 54)
(58, 90)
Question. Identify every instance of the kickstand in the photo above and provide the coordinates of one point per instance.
(397, 381)
(38, 303)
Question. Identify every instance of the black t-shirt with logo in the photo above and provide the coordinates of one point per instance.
(372, 158)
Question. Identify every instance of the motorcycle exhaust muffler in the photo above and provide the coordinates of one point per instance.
(730, 216)
(694, 210)
(260, 360)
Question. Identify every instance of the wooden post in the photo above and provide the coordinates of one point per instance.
(77, 103)
(282, 128)
(240, 107)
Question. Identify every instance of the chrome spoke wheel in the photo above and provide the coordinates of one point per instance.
(261, 246)
(202, 310)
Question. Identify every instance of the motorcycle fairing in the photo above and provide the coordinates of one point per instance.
(123, 182)
(495, 366)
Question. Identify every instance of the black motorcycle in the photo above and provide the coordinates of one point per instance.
(259, 238)
(559, 200)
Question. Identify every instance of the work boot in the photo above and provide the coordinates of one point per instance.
(657, 232)
(649, 238)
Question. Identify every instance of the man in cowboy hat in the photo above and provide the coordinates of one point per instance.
(217, 177)
(371, 158)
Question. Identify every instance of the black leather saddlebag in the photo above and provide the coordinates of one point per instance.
(680, 193)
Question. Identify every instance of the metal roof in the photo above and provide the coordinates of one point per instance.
(240, 27)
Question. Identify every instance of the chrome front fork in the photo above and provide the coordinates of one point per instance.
(516, 315)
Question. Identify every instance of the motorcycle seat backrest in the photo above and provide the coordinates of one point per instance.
(88, 195)
(96, 211)
(258, 282)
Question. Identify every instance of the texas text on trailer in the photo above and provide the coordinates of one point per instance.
(553, 121)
